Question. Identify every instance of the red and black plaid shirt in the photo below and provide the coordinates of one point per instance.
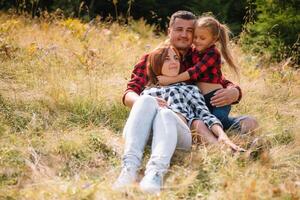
(139, 77)
(206, 66)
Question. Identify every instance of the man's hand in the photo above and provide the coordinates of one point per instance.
(165, 80)
(225, 97)
(161, 102)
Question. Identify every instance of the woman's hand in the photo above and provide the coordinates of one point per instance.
(224, 139)
(161, 102)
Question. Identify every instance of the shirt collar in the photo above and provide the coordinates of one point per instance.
(188, 53)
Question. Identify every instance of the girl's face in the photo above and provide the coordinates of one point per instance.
(203, 38)
(171, 64)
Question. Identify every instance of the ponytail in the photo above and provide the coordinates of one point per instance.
(224, 41)
(221, 33)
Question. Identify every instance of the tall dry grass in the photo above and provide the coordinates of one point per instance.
(61, 83)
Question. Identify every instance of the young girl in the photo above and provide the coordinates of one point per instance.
(168, 124)
(207, 69)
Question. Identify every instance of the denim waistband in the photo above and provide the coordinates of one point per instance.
(210, 94)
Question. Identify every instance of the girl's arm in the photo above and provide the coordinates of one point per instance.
(167, 80)
(208, 65)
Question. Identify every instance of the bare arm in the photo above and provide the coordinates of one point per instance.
(167, 80)
(130, 98)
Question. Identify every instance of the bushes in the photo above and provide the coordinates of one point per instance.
(274, 30)
(153, 11)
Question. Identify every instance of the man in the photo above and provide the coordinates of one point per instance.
(180, 31)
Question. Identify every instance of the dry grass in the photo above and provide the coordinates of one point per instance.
(61, 83)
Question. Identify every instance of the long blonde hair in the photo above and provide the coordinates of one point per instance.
(221, 33)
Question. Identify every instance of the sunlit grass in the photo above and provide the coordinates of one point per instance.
(61, 117)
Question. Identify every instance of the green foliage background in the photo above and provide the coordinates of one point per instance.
(153, 11)
(274, 28)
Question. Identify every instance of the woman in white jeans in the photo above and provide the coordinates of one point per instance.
(169, 125)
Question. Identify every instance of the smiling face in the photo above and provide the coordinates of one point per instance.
(203, 38)
(181, 33)
(171, 65)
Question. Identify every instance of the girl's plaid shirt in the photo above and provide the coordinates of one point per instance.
(206, 66)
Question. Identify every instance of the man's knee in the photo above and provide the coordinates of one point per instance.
(248, 124)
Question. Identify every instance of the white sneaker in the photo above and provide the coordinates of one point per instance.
(152, 182)
(126, 178)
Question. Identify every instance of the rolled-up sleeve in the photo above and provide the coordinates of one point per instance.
(138, 79)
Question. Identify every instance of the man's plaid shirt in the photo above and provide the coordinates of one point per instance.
(139, 77)
(186, 100)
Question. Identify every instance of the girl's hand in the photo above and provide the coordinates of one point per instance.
(165, 80)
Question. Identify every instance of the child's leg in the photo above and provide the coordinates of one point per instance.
(203, 134)
(222, 113)
(242, 124)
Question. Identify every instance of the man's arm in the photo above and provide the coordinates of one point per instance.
(230, 94)
(136, 83)
(226, 96)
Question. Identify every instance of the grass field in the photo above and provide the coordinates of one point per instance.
(61, 117)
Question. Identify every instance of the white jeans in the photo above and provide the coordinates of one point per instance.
(169, 133)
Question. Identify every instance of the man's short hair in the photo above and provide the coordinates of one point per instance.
(181, 14)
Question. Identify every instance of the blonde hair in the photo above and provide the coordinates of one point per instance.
(221, 33)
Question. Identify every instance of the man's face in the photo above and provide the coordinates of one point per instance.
(181, 33)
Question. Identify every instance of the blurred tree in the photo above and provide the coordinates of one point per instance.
(153, 11)
(274, 27)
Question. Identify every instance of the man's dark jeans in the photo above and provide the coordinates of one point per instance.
(222, 113)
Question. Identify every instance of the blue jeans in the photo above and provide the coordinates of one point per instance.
(222, 113)
(168, 130)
